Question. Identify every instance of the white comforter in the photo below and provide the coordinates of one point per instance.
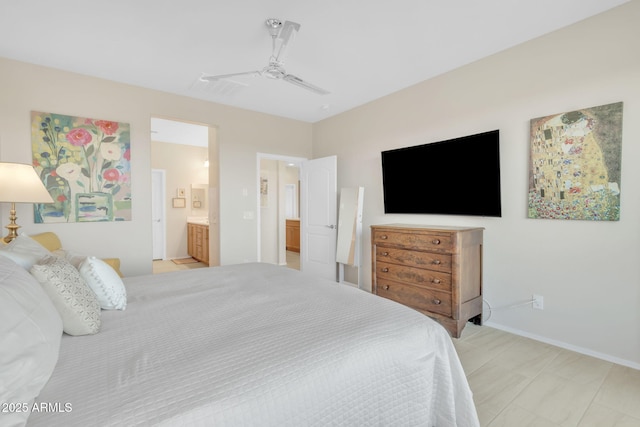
(257, 345)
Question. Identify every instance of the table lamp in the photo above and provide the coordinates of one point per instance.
(19, 183)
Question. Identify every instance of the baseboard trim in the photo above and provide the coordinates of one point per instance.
(566, 346)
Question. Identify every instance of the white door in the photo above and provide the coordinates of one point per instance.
(318, 217)
(158, 213)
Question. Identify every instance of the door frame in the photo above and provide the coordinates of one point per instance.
(214, 186)
(267, 156)
(161, 192)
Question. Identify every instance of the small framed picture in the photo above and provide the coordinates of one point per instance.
(179, 202)
(197, 204)
(180, 192)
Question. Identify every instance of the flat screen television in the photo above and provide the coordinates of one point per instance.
(458, 176)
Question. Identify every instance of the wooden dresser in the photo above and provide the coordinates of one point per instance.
(198, 242)
(435, 270)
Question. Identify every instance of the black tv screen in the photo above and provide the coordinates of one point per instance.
(459, 176)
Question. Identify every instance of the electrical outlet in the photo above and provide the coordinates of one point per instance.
(538, 302)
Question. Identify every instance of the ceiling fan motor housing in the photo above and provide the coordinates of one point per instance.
(273, 72)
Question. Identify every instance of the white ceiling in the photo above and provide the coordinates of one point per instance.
(174, 132)
(360, 50)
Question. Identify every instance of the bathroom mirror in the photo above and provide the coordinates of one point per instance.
(199, 206)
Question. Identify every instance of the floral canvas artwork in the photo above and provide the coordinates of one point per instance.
(85, 165)
(575, 163)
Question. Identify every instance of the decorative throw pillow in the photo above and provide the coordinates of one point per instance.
(75, 301)
(105, 283)
(24, 251)
(30, 333)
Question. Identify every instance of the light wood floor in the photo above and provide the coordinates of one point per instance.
(293, 260)
(519, 382)
(165, 266)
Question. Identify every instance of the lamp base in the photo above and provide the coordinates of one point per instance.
(12, 227)
(13, 233)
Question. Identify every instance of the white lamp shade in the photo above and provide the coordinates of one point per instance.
(19, 183)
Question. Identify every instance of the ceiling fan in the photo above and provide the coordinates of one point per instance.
(282, 33)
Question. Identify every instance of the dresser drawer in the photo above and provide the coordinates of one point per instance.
(429, 260)
(426, 241)
(415, 276)
(412, 296)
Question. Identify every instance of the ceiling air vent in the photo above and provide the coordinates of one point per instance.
(218, 87)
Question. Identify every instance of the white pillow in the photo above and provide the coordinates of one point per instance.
(75, 301)
(30, 333)
(24, 251)
(105, 283)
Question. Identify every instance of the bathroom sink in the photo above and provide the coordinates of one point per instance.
(198, 220)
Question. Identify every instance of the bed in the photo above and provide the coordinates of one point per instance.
(255, 345)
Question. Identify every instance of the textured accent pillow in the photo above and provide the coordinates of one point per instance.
(105, 283)
(74, 300)
(30, 333)
(24, 251)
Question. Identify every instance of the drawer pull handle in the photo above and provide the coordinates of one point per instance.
(436, 262)
(385, 253)
(385, 270)
(436, 241)
(437, 302)
(436, 281)
(386, 287)
(384, 237)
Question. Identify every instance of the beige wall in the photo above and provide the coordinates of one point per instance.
(240, 135)
(587, 272)
(183, 166)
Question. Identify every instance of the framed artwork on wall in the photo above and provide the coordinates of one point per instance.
(85, 164)
(179, 202)
(575, 165)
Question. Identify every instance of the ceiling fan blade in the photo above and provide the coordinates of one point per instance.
(299, 82)
(226, 76)
(286, 36)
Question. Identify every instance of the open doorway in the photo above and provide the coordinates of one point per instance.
(186, 152)
(316, 187)
(279, 210)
